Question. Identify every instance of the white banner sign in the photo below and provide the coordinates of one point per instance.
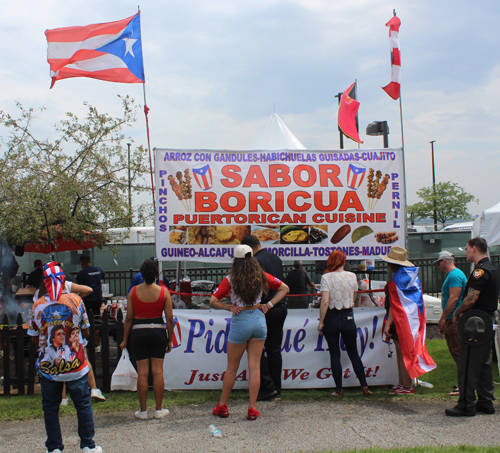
(301, 205)
(198, 359)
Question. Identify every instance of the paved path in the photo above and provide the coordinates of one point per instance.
(283, 427)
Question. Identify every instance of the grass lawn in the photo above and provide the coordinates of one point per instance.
(443, 377)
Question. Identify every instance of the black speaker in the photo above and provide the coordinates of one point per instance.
(19, 250)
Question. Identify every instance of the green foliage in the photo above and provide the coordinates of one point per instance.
(74, 184)
(449, 199)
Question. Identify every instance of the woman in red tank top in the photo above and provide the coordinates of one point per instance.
(146, 304)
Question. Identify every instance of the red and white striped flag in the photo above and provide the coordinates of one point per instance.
(394, 88)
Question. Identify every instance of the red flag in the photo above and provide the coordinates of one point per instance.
(348, 109)
(394, 88)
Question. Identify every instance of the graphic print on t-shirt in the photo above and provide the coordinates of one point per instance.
(62, 356)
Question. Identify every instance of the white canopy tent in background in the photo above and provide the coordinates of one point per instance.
(276, 135)
(487, 226)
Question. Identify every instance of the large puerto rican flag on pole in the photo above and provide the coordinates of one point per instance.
(408, 311)
(394, 88)
(111, 51)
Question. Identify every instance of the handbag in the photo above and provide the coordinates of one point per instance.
(125, 375)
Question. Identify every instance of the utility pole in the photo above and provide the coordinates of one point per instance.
(434, 183)
(129, 189)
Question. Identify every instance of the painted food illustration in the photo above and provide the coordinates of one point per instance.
(340, 234)
(386, 238)
(316, 235)
(201, 234)
(360, 233)
(375, 187)
(267, 234)
(295, 236)
(177, 237)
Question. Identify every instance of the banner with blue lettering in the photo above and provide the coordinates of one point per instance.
(299, 204)
(198, 358)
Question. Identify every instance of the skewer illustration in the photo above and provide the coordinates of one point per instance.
(382, 187)
(375, 186)
(177, 190)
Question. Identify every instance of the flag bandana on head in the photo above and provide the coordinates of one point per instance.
(110, 51)
(394, 88)
(54, 280)
(408, 311)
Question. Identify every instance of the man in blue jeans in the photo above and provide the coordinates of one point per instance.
(55, 318)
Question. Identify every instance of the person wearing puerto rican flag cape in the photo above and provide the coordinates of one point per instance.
(405, 323)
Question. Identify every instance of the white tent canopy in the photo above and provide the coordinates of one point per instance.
(275, 135)
(487, 226)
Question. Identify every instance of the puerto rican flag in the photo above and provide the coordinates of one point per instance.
(408, 310)
(355, 175)
(176, 337)
(203, 176)
(111, 51)
(394, 88)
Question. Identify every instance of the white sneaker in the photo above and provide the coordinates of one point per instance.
(162, 413)
(96, 449)
(64, 402)
(141, 415)
(54, 451)
(96, 393)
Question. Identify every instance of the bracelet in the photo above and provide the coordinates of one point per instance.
(270, 305)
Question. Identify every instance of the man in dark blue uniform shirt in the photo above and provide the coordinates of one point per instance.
(91, 276)
(481, 293)
(270, 369)
(35, 278)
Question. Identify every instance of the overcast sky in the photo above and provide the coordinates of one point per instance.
(215, 69)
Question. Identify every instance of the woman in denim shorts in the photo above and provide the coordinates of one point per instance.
(245, 284)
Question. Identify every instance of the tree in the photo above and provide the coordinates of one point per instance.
(77, 183)
(450, 201)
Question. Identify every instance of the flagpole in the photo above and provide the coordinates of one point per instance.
(146, 112)
(404, 164)
(404, 169)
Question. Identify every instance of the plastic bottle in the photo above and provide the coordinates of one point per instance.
(215, 431)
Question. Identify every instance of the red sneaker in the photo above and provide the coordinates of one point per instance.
(221, 411)
(394, 389)
(403, 391)
(253, 414)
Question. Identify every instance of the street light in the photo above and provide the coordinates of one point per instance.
(434, 183)
(379, 128)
